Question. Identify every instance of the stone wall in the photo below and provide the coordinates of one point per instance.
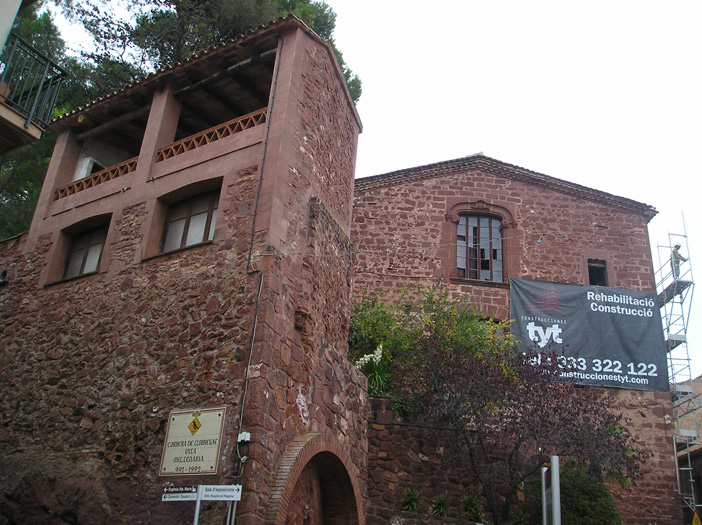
(91, 367)
(404, 232)
(302, 382)
(404, 457)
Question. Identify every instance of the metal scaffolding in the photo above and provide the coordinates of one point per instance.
(675, 286)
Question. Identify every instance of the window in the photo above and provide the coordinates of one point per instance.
(190, 222)
(86, 167)
(597, 272)
(479, 250)
(85, 252)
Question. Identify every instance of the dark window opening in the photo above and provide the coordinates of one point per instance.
(190, 222)
(597, 271)
(96, 167)
(479, 248)
(85, 252)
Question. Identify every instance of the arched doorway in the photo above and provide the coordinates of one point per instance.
(316, 484)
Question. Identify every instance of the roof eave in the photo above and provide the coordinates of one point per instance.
(510, 171)
(151, 81)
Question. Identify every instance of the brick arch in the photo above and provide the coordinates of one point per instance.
(305, 450)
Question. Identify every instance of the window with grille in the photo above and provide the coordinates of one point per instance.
(85, 252)
(479, 248)
(190, 222)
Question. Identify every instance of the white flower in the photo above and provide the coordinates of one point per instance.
(375, 356)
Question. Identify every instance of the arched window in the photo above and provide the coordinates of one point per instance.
(479, 248)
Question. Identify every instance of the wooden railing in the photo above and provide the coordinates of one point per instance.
(212, 134)
(96, 178)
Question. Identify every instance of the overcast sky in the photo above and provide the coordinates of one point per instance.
(607, 94)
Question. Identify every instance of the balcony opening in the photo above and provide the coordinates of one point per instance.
(222, 92)
(222, 101)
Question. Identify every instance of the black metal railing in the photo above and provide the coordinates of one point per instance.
(29, 81)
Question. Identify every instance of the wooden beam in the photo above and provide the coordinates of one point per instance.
(226, 72)
(248, 86)
(110, 124)
(228, 105)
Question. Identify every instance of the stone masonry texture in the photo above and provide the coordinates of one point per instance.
(404, 232)
(92, 366)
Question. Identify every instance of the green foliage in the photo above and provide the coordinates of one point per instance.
(472, 508)
(22, 171)
(400, 326)
(21, 176)
(40, 31)
(454, 367)
(166, 31)
(410, 501)
(379, 376)
(585, 500)
(440, 506)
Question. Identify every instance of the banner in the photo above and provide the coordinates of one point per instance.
(610, 337)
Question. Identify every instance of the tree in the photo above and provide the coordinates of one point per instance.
(162, 32)
(455, 368)
(22, 171)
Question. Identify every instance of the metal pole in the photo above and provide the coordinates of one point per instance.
(556, 490)
(197, 505)
(544, 503)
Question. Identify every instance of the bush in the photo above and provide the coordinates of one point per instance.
(585, 500)
(473, 508)
(410, 501)
(440, 506)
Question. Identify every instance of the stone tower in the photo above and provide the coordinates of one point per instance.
(190, 252)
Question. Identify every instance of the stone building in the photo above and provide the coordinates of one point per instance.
(191, 251)
(415, 225)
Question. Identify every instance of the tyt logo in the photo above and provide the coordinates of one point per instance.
(541, 336)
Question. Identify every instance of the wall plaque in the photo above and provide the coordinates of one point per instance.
(193, 442)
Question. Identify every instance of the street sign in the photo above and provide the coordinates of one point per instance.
(220, 492)
(193, 442)
(179, 493)
(183, 496)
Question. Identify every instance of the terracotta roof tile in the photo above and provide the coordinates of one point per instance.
(165, 71)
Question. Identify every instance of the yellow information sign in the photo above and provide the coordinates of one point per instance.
(696, 519)
(193, 442)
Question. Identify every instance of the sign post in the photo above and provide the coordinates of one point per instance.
(551, 493)
(214, 493)
(179, 494)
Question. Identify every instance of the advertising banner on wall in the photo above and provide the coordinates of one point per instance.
(609, 337)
